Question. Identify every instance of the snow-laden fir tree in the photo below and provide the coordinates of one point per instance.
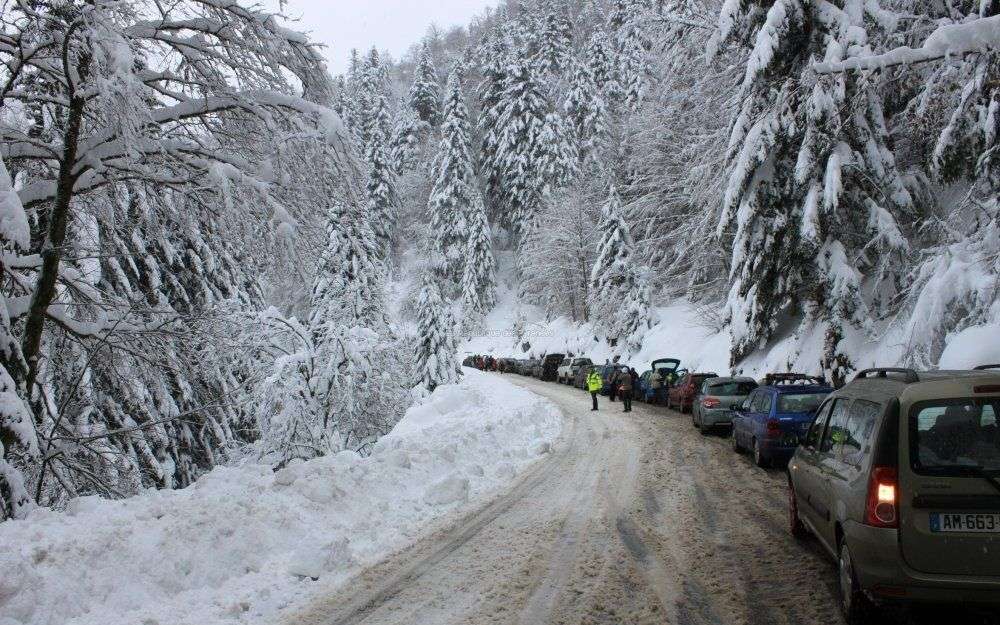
(555, 39)
(631, 44)
(341, 387)
(615, 307)
(383, 198)
(479, 278)
(600, 58)
(18, 441)
(493, 66)
(534, 151)
(814, 197)
(436, 356)
(586, 111)
(406, 136)
(425, 93)
(455, 191)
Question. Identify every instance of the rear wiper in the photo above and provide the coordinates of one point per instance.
(979, 471)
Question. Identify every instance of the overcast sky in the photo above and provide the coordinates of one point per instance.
(392, 25)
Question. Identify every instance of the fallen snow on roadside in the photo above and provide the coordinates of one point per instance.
(244, 543)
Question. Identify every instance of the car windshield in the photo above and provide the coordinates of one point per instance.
(800, 402)
(581, 361)
(730, 389)
(952, 435)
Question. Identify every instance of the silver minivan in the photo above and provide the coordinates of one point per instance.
(899, 479)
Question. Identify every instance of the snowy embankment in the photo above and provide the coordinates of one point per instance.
(244, 544)
(693, 334)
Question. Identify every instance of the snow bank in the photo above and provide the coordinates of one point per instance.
(245, 543)
(689, 333)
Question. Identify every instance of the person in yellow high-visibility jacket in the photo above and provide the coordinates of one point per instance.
(594, 385)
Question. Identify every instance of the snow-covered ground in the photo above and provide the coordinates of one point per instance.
(693, 334)
(244, 544)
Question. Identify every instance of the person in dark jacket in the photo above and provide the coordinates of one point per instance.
(613, 384)
(626, 382)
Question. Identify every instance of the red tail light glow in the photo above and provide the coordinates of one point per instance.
(710, 402)
(882, 509)
(773, 428)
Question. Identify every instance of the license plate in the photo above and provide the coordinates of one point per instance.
(980, 523)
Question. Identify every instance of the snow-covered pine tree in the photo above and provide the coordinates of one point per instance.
(586, 111)
(494, 66)
(479, 278)
(614, 307)
(455, 191)
(555, 39)
(521, 148)
(18, 439)
(631, 44)
(383, 198)
(406, 135)
(425, 93)
(349, 322)
(814, 195)
(600, 55)
(436, 358)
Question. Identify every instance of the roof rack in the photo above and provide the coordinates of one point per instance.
(909, 375)
(986, 367)
(772, 379)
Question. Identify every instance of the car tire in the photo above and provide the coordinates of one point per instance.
(855, 605)
(758, 455)
(735, 442)
(795, 525)
(704, 429)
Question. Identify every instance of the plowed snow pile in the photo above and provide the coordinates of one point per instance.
(244, 543)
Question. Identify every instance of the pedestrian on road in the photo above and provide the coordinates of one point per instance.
(594, 385)
(626, 383)
(613, 381)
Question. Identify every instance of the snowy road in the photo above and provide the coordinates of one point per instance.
(633, 519)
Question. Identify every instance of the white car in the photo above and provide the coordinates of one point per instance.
(568, 368)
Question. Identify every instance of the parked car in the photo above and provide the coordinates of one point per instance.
(644, 390)
(681, 394)
(667, 368)
(536, 369)
(550, 365)
(773, 418)
(580, 377)
(607, 371)
(713, 404)
(897, 478)
(567, 370)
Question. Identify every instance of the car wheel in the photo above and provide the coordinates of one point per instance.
(758, 456)
(795, 524)
(856, 606)
(735, 442)
(704, 429)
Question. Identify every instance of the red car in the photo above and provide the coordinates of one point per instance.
(681, 394)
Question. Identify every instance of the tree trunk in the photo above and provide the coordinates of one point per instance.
(51, 250)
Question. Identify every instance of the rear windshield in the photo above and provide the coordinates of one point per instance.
(800, 402)
(731, 388)
(581, 361)
(953, 437)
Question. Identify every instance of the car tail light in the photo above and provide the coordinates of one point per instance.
(882, 509)
(773, 428)
(710, 402)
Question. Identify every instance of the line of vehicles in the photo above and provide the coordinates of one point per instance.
(896, 474)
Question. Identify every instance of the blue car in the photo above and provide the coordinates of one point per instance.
(775, 416)
(644, 390)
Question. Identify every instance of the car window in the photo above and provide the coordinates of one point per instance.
(761, 402)
(729, 389)
(950, 437)
(818, 425)
(800, 402)
(862, 417)
(836, 431)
